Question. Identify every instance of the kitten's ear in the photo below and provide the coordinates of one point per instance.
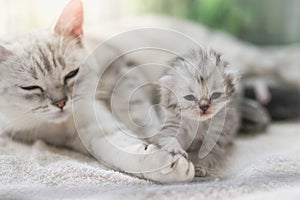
(230, 82)
(217, 57)
(165, 84)
(166, 81)
(70, 20)
(4, 53)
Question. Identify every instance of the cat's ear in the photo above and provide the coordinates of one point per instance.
(70, 20)
(4, 53)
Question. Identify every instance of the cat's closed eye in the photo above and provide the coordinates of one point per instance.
(216, 95)
(32, 87)
(190, 97)
(71, 74)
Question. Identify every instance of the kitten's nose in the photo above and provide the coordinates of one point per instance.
(61, 103)
(204, 107)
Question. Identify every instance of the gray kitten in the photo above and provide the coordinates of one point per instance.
(200, 109)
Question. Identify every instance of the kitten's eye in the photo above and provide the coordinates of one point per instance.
(33, 87)
(71, 74)
(216, 95)
(190, 97)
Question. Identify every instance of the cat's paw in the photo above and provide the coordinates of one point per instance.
(178, 150)
(180, 170)
(144, 148)
(173, 168)
(200, 171)
(150, 148)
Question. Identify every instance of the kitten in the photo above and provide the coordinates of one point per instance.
(200, 109)
(47, 84)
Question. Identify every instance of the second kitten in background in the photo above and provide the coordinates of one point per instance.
(200, 109)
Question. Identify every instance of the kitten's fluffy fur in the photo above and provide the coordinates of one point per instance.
(199, 79)
(37, 75)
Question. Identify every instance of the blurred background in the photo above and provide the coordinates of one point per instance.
(262, 22)
(273, 25)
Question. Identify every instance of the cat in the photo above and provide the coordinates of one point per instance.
(200, 108)
(47, 84)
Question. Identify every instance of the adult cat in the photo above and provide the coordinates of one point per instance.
(47, 92)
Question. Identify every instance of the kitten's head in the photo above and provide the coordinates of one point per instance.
(38, 69)
(199, 84)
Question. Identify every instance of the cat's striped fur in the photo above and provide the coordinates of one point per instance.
(37, 74)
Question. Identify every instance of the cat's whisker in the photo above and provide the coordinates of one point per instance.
(39, 108)
(13, 121)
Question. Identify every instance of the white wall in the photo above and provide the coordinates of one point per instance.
(21, 15)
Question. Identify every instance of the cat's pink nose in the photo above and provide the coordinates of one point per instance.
(61, 103)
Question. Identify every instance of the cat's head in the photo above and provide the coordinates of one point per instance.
(199, 84)
(38, 69)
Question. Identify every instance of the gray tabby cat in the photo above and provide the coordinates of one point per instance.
(38, 72)
(200, 109)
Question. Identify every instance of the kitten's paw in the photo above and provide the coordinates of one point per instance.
(178, 150)
(200, 172)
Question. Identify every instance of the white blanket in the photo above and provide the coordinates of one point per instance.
(264, 166)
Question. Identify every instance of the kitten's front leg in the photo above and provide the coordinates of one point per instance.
(171, 144)
(170, 136)
(206, 166)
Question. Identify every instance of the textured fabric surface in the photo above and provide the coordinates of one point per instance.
(263, 166)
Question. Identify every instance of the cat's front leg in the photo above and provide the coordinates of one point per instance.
(133, 156)
(115, 145)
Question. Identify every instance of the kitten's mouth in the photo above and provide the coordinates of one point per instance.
(208, 112)
(203, 115)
